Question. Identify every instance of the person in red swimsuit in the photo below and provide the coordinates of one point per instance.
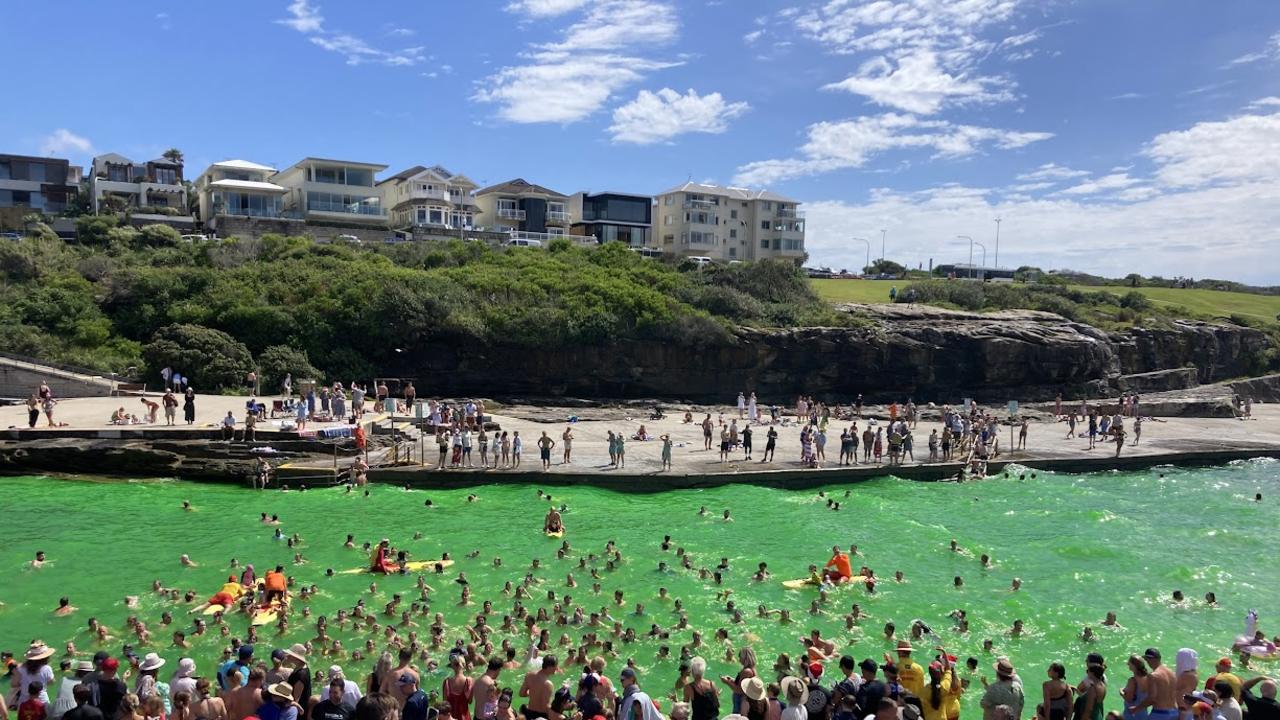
(380, 563)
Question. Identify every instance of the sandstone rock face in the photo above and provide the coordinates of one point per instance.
(918, 351)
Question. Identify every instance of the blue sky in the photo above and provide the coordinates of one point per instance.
(1111, 136)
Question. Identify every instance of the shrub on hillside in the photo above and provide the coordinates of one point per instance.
(279, 360)
(212, 359)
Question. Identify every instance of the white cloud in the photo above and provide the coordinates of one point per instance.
(753, 36)
(1263, 103)
(1241, 149)
(918, 84)
(1270, 52)
(1032, 187)
(544, 8)
(64, 142)
(306, 19)
(1052, 171)
(881, 25)
(1106, 183)
(603, 52)
(402, 32)
(1211, 207)
(1128, 96)
(851, 143)
(657, 117)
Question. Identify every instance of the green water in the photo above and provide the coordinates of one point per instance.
(1083, 545)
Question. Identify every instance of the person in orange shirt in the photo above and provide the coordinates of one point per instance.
(837, 569)
(275, 584)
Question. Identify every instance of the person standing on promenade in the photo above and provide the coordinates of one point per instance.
(33, 410)
(746, 442)
(189, 406)
(517, 445)
(1137, 430)
(545, 443)
(666, 452)
(567, 438)
(706, 431)
(742, 406)
(1022, 434)
(753, 409)
(1161, 690)
(170, 407)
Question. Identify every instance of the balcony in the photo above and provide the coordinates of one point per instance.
(700, 204)
(323, 206)
(462, 199)
(557, 216)
(548, 237)
(789, 214)
(704, 219)
(510, 213)
(257, 213)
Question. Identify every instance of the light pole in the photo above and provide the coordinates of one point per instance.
(996, 262)
(981, 275)
(966, 237)
(882, 234)
(868, 243)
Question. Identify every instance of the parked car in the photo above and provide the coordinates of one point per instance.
(10, 236)
(647, 252)
(349, 238)
(522, 242)
(699, 260)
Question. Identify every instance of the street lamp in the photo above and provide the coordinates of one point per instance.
(996, 262)
(868, 243)
(984, 259)
(882, 234)
(966, 237)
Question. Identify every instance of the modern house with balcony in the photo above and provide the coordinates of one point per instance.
(149, 192)
(236, 197)
(35, 185)
(612, 217)
(728, 223)
(335, 193)
(525, 210)
(430, 198)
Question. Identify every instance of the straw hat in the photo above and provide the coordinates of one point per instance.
(1004, 667)
(904, 646)
(84, 666)
(38, 651)
(753, 687)
(794, 690)
(186, 667)
(298, 652)
(284, 691)
(151, 661)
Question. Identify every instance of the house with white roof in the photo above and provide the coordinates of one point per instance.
(239, 194)
(728, 223)
(149, 192)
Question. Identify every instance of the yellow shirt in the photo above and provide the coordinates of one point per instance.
(911, 676)
(926, 695)
(1229, 678)
(234, 589)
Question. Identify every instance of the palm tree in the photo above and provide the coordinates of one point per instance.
(173, 155)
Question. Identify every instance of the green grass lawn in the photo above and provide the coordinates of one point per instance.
(1211, 303)
(1214, 303)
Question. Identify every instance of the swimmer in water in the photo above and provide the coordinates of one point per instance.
(1110, 620)
(186, 505)
(39, 560)
(1087, 635)
(64, 607)
(187, 561)
(726, 516)
(1015, 585)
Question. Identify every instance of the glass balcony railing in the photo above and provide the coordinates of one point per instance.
(510, 214)
(557, 216)
(322, 206)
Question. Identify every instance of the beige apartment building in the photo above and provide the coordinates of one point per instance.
(728, 223)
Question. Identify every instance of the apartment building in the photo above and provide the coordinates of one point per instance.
(612, 217)
(728, 223)
(430, 198)
(336, 192)
(149, 192)
(36, 184)
(238, 197)
(525, 211)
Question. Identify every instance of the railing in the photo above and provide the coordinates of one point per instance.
(74, 369)
(700, 204)
(548, 237)
(788, 213)
(322, 206)
(708, 220)
(252, 212)
(510, 214)
(557, 216)
(462, 199)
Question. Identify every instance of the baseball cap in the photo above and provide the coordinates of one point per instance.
(1151, 653)
(628, 673)
(246, 652)
(815, 670)
(110, 664)
(277, 654)
(407, 679)
(1224, 662)
(101, 655)
(590, 680)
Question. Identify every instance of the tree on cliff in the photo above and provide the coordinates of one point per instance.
(211, 358)
(279, 360)
(884, 266)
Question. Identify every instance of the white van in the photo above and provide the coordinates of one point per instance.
(699, 260)
(521, 242)
(647, 252)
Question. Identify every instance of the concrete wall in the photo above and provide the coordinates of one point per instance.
(19, 380)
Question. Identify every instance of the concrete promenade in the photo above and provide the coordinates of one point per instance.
(1175, 440)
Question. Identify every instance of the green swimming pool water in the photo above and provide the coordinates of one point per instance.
(1082, 545)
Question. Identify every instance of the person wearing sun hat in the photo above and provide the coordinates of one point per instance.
(279, 704)
(184, 678)
(754, 704)
(66, 699)
(795, 693)
(1006, 690)
(300, 678)
(147, 683)
(35, 668)
(910, 674)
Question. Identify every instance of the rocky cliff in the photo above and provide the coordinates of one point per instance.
(901, 351)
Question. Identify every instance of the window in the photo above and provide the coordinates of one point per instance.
(667, 200)
(21, 198)
(733, 234)
(733, 214)
(668, 239)
(35, 172)
(118, 173)
(166, 176)
(556, 231)
(668, 220)
(733, 252)
(5, 173)
(764, 224)
(764, 244)
(768, 205)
